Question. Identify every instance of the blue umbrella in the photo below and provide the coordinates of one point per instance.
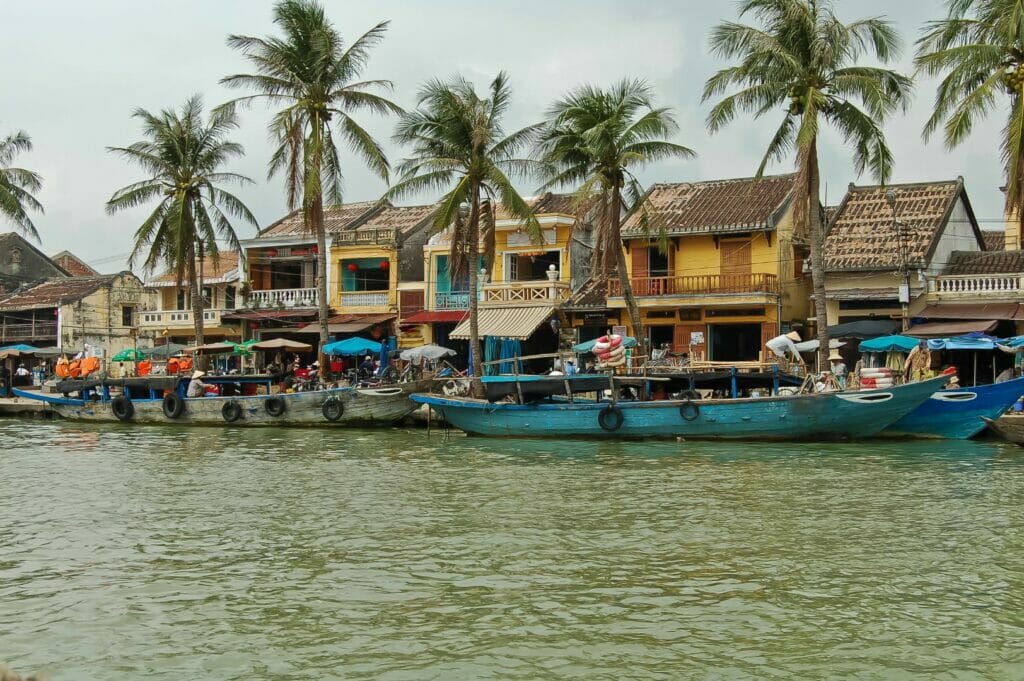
(352, 347)
(21, 347)
(889, 344)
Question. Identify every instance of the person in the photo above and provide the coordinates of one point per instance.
(22, 376)
(953, 383)
(838, 367)
(1005, 375)
(366, 367)
(784, 346)
(570, 367)
(196, 388)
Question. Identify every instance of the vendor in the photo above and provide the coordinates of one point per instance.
(196, 388)
(784, 346)
(838, 367)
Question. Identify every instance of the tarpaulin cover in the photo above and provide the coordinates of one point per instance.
(889, 344)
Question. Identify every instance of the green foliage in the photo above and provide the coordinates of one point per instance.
(979, 50)
(17, 185)
(183, 156)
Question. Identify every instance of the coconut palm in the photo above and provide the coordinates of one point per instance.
(980, 49)
(183, 156)
(801, 61)
(459, 146)
(316, 78)
(16, 185)
(593, 140)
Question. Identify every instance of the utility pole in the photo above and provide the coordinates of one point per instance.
(904, 290)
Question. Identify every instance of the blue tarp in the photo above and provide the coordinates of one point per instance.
(1013, 342)
(889, 344)
(587, 346)
(352, 347)
(973, 342)
(21, 347)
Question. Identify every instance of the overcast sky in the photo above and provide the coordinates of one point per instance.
(74, 71)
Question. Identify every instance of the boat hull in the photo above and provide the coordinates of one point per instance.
(1010, 427)
(828, 416)
(360, 407)
(958, 414)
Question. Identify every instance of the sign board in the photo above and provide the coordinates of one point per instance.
(696, 338)
(619, 331)
(523, 239)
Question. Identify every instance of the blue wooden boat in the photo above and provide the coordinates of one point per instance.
(958, 414)
(823, 416)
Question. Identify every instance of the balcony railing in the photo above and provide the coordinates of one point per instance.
(978, 286)
(451, 300)
(285, 297)
(177, 318)
(26, 331)
(525, 293)
(702, 284)
(364, 299)
(383, 235)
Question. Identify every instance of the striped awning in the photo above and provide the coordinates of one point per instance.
(506, 322)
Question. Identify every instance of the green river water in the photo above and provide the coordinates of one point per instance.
(157, 553)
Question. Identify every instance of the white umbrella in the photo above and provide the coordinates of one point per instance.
(280, 344)
(811, 345)
(431, 352)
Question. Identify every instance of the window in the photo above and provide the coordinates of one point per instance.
(657, 262)
(365, 274)
(128, 315)
(182, 303)
(229, 298)
(531, 266)
(207, 297)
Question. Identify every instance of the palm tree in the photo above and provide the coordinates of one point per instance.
(593, 140)
(802, 60)
(16, 185)
(316, 78)
(459, 146)
(980, 48)
(183, 156)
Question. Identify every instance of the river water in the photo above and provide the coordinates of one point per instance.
(156, 553)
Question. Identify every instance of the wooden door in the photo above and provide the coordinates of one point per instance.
(735, 264)
(641, 271)
(683, 335)
(409, 303)
(769, 330)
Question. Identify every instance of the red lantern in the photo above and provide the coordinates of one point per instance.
(271, 252)
(352, 267)
(314, 250)
(254, 325)
(384, 265)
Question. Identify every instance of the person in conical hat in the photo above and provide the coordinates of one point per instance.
(834, 356)
(196, 388)
(838, 367)
(784, 346)
(793, 336)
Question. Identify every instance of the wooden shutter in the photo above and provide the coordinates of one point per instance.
(409, 303)
(769, 330)
(681, 338)
(640, 258)
(735, 257)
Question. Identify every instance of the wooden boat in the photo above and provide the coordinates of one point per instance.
(162, 400)
(958, 414)
(823, 416)
(1010, 427)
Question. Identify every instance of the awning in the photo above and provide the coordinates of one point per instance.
(436, 316)
(348, 323)
(977, 311)
(506, 322)
(864, 328)
(944, 329)
(269, 314)
(335, 328)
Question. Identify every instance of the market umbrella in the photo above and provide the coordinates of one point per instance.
(587, 346)
(889, 344)
(20, 347)
(280, 344)
(225, 346)
(430, 352)
(352, 346)
(814, 344)
(166, 350)
(129, 355)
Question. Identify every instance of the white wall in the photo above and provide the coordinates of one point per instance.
(958, 236)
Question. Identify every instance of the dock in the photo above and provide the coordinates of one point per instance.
(13, 406)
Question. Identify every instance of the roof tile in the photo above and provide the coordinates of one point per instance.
(987, 262)
(336, 219)
(54, 292)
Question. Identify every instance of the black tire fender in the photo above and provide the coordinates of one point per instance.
(689, 410)
(275, 406)
(231, 411)
(122, 408)
(173, 406)
(610, 418)
(333, 409)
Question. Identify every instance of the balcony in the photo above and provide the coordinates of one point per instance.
(367, 237)
(519, 293)
(978, 286)
(451, 300)
(364, 298)
(703, 284)
(171, 319)
(284, 297)
(9, 332)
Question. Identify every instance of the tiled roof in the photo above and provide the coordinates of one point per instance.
(225, 270)
(336, 219)
(593, 294)
(545, 204)
(716, 207)
(994, 240)
(73, 265)
(986, 262)
(861, 236)
(54, 292)
(404, 218)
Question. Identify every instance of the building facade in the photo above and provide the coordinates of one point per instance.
(171, 315)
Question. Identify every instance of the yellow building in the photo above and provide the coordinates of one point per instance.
(171, 315)
(731, 276)
(529, 282)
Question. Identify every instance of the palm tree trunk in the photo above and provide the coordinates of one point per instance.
(314, 206)
(197, 319)
(817, 237)
(615, 239)
(473, 255)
